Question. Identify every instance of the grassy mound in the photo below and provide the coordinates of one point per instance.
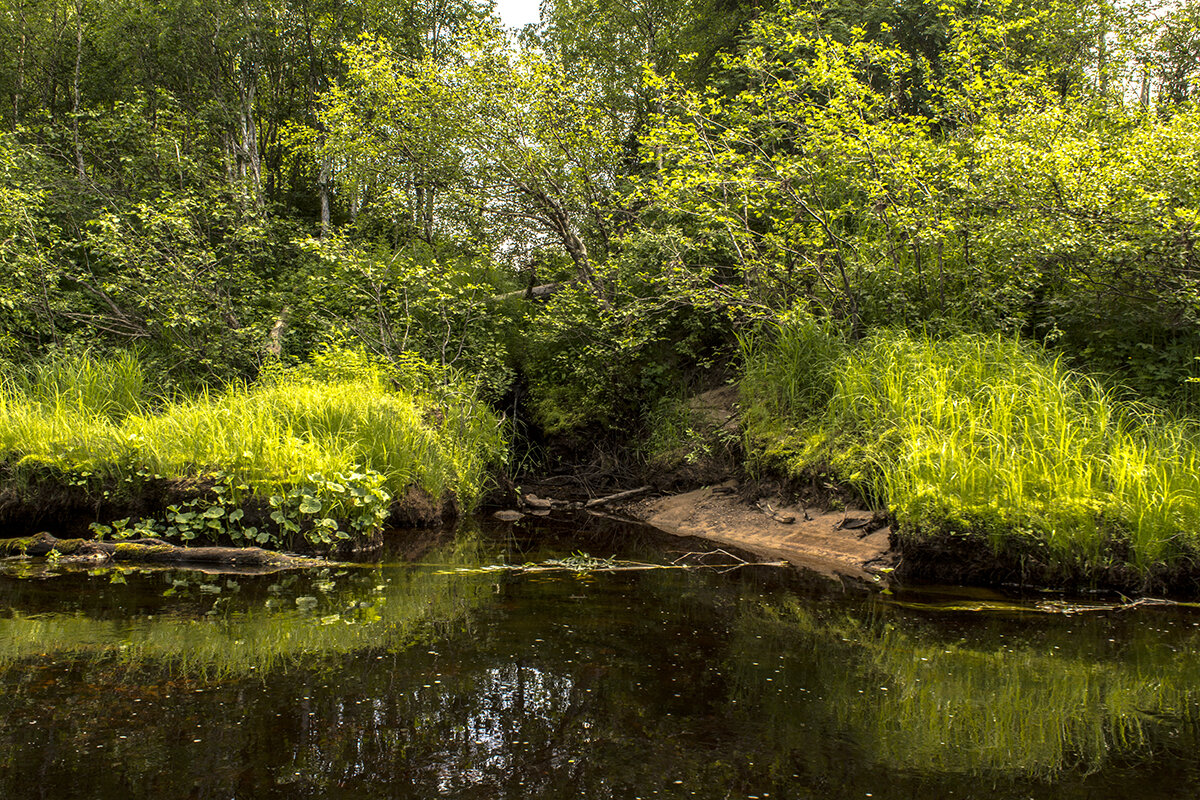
(321, 451)
(976, 436)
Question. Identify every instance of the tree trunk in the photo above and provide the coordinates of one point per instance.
(80, 169)
(323, 182)
(278, 331)
(249, 136)
(574, 245)
(19, 92)
(427, 214)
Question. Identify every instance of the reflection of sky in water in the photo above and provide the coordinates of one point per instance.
(487, 743)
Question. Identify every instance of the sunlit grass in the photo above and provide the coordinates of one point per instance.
(980, 434)
(111, 388)
(264, 437)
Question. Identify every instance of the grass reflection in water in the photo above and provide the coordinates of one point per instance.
(322, 613)
(1013, 694)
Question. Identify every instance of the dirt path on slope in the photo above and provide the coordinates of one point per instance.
(841, 545)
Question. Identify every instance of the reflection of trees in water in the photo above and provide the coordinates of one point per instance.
(562, 686)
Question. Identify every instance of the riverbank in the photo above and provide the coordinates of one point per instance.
(847, 545)
(319, 457)
(971, 460)
(989, 462)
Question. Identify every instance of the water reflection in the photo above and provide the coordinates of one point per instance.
(1013, 695)
(415, 681)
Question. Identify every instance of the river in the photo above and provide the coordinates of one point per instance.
(451, 676)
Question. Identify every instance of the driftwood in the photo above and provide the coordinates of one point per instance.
(581, 562)
(1045, 607)
(612, 498)
(543, 506)
(783, 519)
(151, 551)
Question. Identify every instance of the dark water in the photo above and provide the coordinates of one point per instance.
(441, 679)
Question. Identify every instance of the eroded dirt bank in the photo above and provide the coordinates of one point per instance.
(842, 545)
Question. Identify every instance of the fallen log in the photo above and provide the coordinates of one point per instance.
(612, 498)
(151, 551)
(532, 293)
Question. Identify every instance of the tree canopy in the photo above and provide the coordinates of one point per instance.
(186, 178)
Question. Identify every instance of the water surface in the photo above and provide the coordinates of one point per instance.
(447, 677)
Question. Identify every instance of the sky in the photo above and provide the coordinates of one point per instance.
(517, 13)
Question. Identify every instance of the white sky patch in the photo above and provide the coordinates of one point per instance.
(518, 13)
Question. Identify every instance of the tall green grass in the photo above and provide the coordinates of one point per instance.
(984, 435)
(112, 387)
(316, 427)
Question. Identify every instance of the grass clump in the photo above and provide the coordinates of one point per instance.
(323, 449)
(979, 435)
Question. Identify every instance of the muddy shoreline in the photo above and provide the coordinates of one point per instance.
(819, 529)
(856, 545)
(828, 534)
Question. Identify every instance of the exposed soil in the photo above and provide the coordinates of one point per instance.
(851, 545)
(848, 545)
(420, 509)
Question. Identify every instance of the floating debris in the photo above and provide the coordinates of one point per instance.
(582, 562)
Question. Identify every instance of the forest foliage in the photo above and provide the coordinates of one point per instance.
(183, 178)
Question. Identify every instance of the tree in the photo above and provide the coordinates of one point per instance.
(495, 148)
(1178, 55)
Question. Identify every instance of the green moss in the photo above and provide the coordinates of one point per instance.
(16, 546)
(126, 551)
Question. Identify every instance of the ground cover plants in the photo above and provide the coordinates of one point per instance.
(322, 453)
(979, 438)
